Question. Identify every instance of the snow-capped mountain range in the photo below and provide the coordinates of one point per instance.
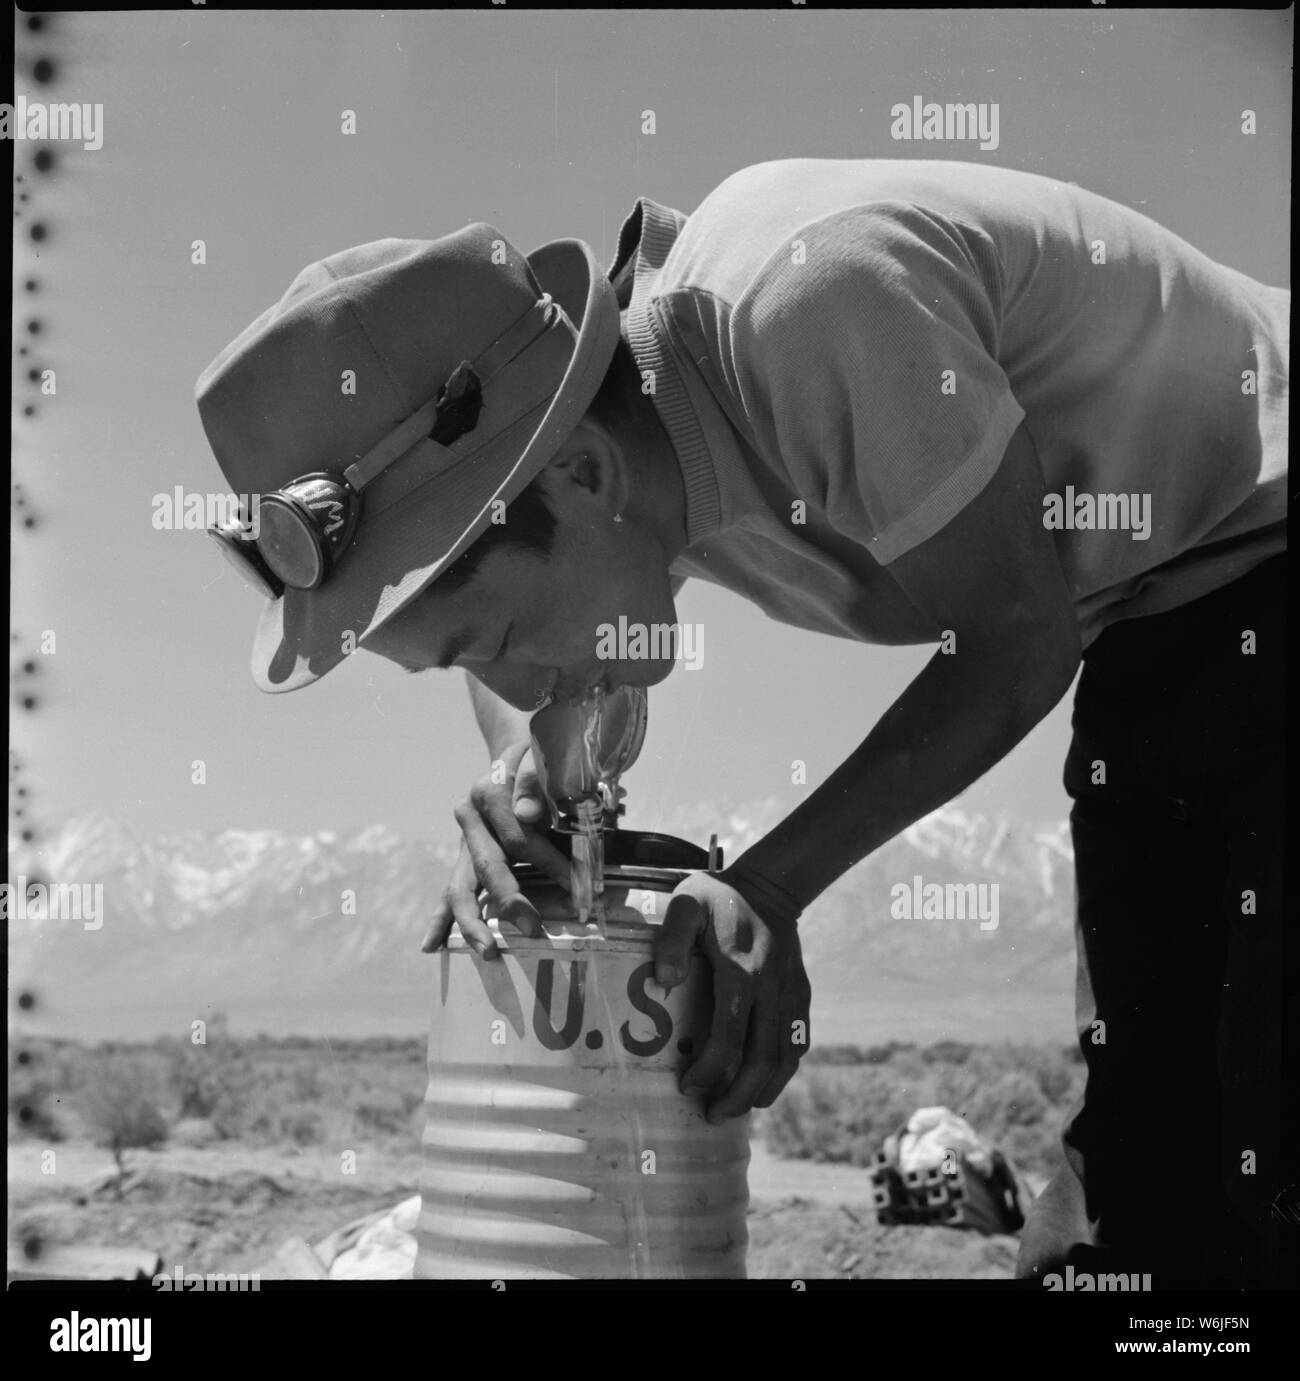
(320, 934)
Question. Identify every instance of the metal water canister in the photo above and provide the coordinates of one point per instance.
(557, 1144)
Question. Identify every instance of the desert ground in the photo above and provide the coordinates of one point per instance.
(240, 1151)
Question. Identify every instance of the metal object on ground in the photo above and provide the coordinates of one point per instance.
(557, 1143)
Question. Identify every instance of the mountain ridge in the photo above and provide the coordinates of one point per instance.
(322, 930)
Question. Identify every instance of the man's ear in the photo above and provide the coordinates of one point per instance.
(592, 459)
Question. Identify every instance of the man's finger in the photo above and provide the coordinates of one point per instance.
(462, 876)
(536, 849)
(527, 799)
(762, 1057)
(519, 912)
(520, 842)
(530, 810)
(725, 1048)
(794, 1038)
(439, 928)
(530, 804)
(513, 755)
(469, 918)
(489, 863)
(684, 920)
(495, 877)
(527, 846)
(787, 1067)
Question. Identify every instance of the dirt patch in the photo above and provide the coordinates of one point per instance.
(229, 1210)
(800, 1239)
(227, 1222)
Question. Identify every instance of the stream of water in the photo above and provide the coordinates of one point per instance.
(589, 841)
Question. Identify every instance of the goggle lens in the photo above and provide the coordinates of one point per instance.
(289, 546)
(300, 530)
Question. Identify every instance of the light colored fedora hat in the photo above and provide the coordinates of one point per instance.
(380, 409)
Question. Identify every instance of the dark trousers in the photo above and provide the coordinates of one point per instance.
(1178, 1160)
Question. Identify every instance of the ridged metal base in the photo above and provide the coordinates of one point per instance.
(557, 1143)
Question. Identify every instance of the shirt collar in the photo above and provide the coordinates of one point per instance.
(644, 244)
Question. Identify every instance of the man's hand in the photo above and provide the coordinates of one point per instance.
(500, 821)
(761, 993)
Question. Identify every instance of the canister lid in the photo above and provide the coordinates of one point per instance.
(642, 848)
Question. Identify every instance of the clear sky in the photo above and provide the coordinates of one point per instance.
(225, 127)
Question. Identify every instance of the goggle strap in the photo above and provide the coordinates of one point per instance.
(395, 445)
(539, 318)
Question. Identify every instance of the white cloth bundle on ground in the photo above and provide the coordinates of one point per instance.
(385, 1250)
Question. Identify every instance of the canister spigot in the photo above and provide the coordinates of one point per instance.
(581, 750)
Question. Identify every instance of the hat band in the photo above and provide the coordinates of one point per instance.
(305, 547)
(544, 314)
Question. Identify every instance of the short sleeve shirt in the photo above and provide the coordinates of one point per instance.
(842, 349)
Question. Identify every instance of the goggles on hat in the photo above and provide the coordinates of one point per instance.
(302, 529)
